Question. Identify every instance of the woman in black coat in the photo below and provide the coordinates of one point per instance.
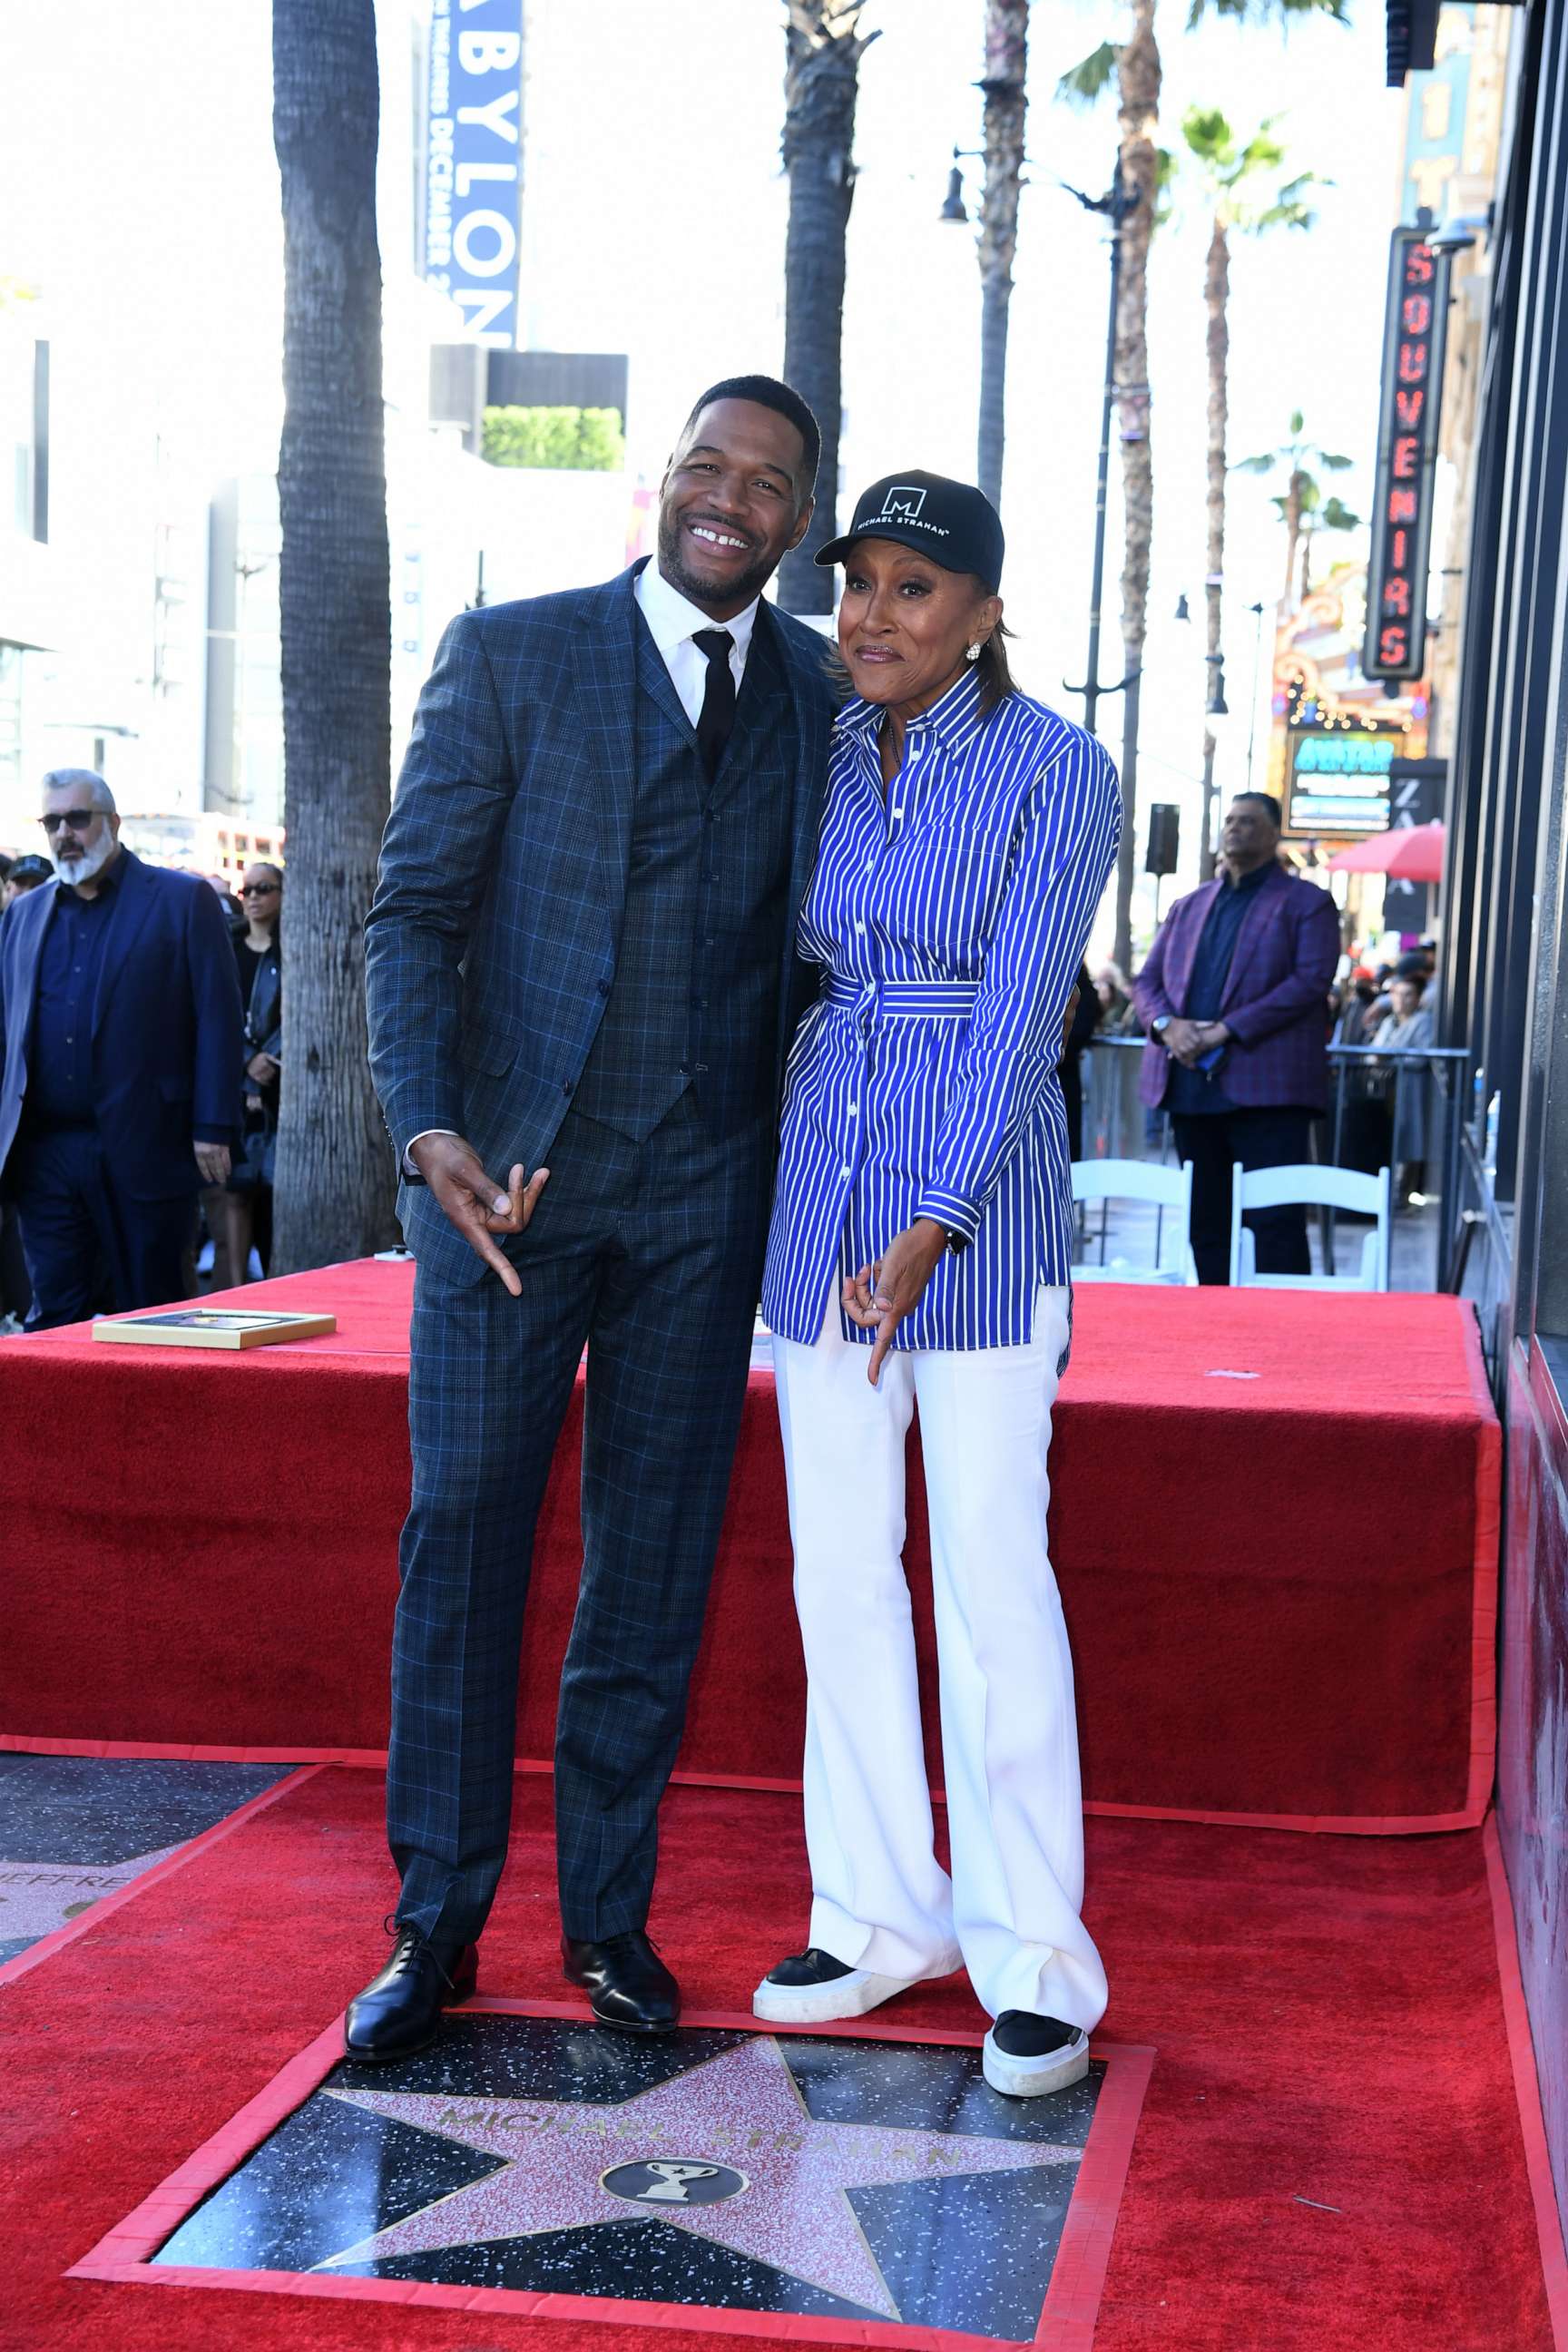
(245, 1207)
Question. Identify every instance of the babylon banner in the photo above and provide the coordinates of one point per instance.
(473, 162)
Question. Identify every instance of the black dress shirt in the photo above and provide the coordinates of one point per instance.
(70, 963)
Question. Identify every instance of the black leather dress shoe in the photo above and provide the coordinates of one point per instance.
(398, 2011)
(627, 1984)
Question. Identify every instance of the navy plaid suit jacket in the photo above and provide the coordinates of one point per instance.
(491, 945)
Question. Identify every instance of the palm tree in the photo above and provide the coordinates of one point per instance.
(1133, 63)
(1229, 172)
(1319, 514)
(1300, 505)
(823, 49)
(1007, 40)
(334, 1193)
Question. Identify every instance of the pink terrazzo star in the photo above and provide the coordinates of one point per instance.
(740, 2110)
(36, 1897)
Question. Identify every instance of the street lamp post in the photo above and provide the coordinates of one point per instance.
(1215, 709)
(1116, 205)
(1256, 611)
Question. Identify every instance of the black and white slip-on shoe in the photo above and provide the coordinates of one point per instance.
(811, 1988)
(1026, 2055)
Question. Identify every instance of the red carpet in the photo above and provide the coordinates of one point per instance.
(1280, 1593)
(1330, 2155)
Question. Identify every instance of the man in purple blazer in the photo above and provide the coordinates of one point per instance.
(1234, 995)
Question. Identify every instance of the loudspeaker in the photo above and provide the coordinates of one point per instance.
(1164, 832)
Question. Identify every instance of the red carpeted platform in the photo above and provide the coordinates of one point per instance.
(1274, 1522)
(1330, 2152)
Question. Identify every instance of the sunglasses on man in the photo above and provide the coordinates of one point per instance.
(77, 819)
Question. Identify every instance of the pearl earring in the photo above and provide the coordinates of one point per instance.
(971, 652)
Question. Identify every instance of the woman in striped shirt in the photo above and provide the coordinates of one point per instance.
(920, 1250)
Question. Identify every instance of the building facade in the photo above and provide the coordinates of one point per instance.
(1501, 687)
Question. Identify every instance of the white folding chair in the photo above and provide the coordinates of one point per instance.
(1168, 1189)
(1318, 1188)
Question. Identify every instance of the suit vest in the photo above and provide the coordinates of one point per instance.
(694, 1003)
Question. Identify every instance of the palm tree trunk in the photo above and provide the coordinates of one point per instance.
(1292, 530)
(1216, 298)
(822, 67)
(334, 1195)
(1138, 76)
(1006, 38)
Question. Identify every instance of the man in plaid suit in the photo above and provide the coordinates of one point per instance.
(581, 949)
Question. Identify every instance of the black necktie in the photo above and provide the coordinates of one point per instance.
(717, 713)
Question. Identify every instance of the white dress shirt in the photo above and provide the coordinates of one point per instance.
(673, 621)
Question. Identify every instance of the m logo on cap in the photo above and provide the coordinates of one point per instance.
(903, 499)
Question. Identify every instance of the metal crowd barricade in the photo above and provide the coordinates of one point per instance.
(1363, 1119)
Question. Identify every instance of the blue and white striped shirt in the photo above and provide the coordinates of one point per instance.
(951, 913)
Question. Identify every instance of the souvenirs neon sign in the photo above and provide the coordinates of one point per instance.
(1414, 338)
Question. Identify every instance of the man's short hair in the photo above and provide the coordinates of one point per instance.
(767, 391)
(81, 779)
(1268, 801)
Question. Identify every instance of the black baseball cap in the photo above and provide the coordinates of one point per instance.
(30, 869)
(952, 522)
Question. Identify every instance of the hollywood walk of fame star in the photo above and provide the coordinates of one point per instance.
(741, 2110)
(37, 1897)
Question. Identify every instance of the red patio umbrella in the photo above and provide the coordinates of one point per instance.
(1409, 853)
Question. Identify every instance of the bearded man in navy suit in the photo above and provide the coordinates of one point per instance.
(120, 1063)
(581, 949)
(1235, 996)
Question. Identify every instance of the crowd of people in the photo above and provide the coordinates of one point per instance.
(141, 1059)
(1226, 1095)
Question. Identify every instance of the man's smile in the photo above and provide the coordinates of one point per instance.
(713, 534)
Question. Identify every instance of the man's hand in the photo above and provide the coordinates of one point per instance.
(474, 1201)
(262, 1069)
(1183, 1040)
(214, 1161)
(1211, 1033)
(1069, 1017)
(878, 1297)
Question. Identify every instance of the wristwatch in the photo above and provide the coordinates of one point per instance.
(1160, 1024)
(955, 1240)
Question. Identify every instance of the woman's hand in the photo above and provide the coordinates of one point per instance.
(262, 1069)
(878, 1297)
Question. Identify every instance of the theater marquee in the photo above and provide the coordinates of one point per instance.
(1406, 445)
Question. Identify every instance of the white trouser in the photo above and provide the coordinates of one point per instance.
(881, 1900)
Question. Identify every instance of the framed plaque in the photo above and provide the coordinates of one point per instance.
(212, 1327)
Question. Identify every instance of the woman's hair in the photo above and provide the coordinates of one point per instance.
(995, 673)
